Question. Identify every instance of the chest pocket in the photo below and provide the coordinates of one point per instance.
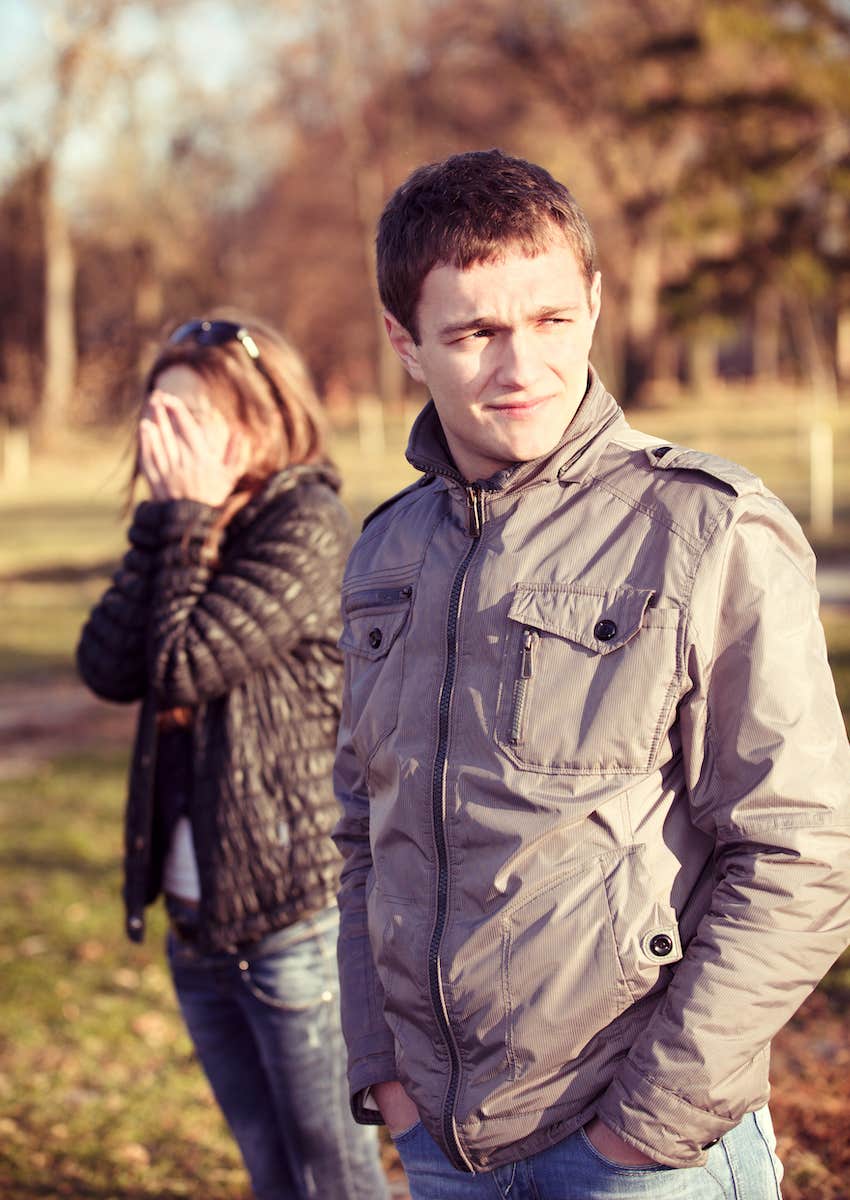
(589, 679)
(373, 620)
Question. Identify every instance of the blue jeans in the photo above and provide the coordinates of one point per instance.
(265, 1024)
(742, 1166)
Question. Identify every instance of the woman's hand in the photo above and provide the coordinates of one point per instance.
(182, 459)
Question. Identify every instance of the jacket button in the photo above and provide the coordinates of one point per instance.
(375, 638)
(661, 945)
(605, 630)
(135, 922)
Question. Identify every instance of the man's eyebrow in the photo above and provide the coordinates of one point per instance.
(473, 323)
(485, 322)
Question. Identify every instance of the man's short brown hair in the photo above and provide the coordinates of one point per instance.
(468, 209)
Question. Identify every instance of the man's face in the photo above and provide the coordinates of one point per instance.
(504, 351)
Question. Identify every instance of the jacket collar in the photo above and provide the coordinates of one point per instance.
(285, 481)
(584, 439)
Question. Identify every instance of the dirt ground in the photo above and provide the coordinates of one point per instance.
(811, 1056)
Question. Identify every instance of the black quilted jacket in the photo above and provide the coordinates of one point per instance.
(250, 645)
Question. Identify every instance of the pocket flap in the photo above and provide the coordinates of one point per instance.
(373, 619)
(600, 621)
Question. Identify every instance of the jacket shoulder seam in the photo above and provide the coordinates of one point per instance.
(666, 456)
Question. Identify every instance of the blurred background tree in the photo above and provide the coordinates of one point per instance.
(160, 158)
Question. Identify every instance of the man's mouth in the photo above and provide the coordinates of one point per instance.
(519, 407)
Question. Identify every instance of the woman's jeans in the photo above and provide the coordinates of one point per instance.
(266, 1027)
(741, 1166)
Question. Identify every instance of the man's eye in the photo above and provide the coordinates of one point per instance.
(483, 333)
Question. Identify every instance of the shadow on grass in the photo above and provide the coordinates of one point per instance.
(38, 862)
(58, 573)
(84, 1191)
(31, 667)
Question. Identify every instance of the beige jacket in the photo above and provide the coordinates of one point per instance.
(594, 782)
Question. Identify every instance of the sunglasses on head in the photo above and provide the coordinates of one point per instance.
(214, 333)
(217, 333)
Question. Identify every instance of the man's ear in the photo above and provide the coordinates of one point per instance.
(596, 297)
(405, 347)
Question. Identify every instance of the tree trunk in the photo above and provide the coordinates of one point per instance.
(60, 341)
(767, 334)
(369, 192)
(702, 364)
(842, 345)
(642, 314)
(814, 357)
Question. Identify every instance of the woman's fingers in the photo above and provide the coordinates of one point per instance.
(172, 439)
(188, 459)
(152, 458)
(185, 427)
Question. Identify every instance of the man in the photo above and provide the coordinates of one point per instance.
(593, 773)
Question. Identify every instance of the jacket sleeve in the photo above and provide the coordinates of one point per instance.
(213, 624)
(111, 653)
(371, 1053)
(767, 769)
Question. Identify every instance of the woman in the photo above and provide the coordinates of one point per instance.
(222, 619)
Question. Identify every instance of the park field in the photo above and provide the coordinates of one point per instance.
(100, 1095)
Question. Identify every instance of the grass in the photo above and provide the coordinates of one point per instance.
(100, 1094)
(99, 1088)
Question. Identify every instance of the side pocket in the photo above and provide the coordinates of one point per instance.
(645, 929)
(559, 949)
(585, 948)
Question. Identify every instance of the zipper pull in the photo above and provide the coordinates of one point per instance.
(475, 505)
(529, 641)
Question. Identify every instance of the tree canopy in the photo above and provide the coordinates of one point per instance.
(708, 140)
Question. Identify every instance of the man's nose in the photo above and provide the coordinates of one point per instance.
(520, 360)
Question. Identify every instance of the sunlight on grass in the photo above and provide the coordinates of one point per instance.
(100, 1090)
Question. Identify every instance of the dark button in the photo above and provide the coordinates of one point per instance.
(660, 451)
(661, 945)
(407, 592)
(135, 922)
(605, 630)
(375, 638)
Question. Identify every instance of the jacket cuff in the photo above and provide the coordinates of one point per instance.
(657, 1122)
(377, 1068)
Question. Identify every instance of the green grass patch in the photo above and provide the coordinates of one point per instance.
(101, 1094)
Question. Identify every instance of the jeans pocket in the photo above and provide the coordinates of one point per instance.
(625, 1168)
(406, 1134)
(294, 978)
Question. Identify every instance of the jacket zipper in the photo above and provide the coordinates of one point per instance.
(530, 638)
(475, 508)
